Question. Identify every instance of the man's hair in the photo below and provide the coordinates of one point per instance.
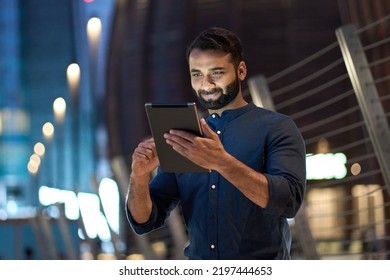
(218, 39)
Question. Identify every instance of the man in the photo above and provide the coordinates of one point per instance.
(257, 160)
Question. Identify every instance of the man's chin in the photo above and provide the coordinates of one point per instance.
(211, 105)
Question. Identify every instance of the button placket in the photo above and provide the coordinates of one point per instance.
(212, 215)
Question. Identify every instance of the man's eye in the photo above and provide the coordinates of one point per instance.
(217, 73)
(196, 74)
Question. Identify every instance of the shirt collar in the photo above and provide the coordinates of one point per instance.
(233, 113)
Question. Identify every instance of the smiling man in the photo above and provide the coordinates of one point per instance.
(257, 160)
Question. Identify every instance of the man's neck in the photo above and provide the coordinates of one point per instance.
(235, 104)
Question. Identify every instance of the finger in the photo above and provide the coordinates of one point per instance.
(176, 142)
(149, 141)
(177, 135)
(141, 157)
(149, 145)
(147, 151)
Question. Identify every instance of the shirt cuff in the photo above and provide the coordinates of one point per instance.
(143, 227)
(279, 196)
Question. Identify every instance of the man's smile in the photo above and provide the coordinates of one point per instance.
(211, 95)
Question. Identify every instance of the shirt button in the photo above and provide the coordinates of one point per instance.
(218, 132)
(213, 187)
(212, 246)
(213, 115)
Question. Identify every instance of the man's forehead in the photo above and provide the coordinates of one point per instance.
(196, 53)
(209, 59)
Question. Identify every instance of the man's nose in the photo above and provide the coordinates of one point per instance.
(207, 83)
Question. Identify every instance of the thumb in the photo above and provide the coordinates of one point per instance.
(207, 130)
(155, 162)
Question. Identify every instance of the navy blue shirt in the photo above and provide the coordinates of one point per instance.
(222, 223)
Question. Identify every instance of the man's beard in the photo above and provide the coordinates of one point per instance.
(224, 99)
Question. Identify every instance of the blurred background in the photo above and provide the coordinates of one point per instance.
(75, 75)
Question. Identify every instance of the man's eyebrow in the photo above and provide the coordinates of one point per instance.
(210, 69)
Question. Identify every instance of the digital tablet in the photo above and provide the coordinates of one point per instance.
(163, 117)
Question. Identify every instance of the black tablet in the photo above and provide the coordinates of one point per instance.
(162, 117)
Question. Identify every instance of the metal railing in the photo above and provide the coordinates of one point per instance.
(339, 99)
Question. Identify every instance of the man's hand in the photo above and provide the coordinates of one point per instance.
(144, 159)
(207, 152)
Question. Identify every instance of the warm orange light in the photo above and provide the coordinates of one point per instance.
(59, 107)
(33, 164)
(356, 169)
(39, 149)
(32, 168)
(48, 131)
(35, 159)
(73, 77)
(94, 29)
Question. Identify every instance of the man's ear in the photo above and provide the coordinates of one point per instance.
(241, 70)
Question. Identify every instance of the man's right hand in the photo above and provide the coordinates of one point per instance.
(144, 159)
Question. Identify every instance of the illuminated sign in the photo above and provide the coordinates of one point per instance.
(326, 166)
(88, 204)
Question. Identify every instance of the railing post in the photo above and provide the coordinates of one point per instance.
(260, 93)
(367, 96)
